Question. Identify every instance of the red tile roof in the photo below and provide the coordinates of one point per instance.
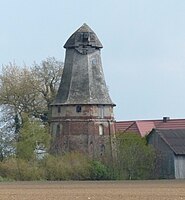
(143, 127)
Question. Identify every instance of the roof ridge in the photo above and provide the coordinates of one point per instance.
(129, 126)
(146, 120)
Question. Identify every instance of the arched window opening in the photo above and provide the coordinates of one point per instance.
(58, 131)
(101, 111)
(101, 129)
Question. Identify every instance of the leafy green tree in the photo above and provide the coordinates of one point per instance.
(33, 139)
(135, 159)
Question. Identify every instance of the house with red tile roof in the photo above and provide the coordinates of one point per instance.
(144, 127)
(167, 136)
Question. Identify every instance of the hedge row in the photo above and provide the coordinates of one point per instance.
(72, 166)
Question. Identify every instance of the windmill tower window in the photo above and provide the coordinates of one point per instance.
(102, 149)
(101, 111)
(58, 131)
(101, 129)
(86, 37)
(59, 109)
(78, 108)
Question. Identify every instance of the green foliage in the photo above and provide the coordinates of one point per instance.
(32, 138)
(99, 171)
(5, 179)
(28, 171)
(135, 159)
(19, 169)
(71, 166)
(8, 169)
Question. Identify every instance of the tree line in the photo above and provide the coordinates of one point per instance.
(25, 97)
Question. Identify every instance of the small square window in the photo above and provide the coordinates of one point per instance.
(78, 108)
(59, 109)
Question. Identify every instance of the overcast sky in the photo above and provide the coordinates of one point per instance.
(144, 46)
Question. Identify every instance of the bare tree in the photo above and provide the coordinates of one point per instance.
(48, 75)
(30, 90)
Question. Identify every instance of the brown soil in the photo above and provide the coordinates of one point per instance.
(114, 190)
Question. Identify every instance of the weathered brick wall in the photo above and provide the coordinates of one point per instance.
(89, 111)
(81, 131)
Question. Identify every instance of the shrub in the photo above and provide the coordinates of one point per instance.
(99, 171)
(54, 168)
(135, 157)
(1, 179)
(18, 169)
(71, 166)
(8, 169)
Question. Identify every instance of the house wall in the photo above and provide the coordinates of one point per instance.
(165, 157)
(179, 166)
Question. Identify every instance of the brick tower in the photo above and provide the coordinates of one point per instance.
(82, 112)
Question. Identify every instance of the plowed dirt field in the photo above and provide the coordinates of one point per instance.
(103, 190)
